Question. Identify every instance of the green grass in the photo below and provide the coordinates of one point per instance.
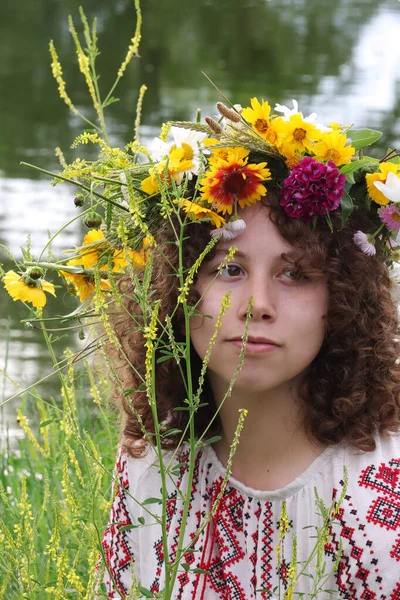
(55, 493)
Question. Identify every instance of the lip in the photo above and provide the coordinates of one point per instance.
(256, 344)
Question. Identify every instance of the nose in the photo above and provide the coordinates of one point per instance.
(264, 301)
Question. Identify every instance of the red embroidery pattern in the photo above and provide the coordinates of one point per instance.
(352, 571)
(117, 550)
(384, 511)
(237, 546)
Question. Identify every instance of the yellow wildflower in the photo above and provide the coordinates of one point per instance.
(332, 146)
(83, 283)
(89, 250)
(196, 211)
(259, 117)
(151, 184)
(300, 134)
(56, 70)
(24, 424)
(381, 175)
(138, 258)
(23, 287)
(135, 41)
(227, 154)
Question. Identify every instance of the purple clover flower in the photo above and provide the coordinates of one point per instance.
(312, 189)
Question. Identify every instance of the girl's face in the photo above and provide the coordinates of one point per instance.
(288, 315)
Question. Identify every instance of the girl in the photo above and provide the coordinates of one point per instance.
(309, 501)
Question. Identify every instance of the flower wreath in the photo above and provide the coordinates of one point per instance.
(208, 170)
(325, 170)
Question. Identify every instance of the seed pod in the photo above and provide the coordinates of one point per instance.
(93, 220)
(79, 200)
(81, 334)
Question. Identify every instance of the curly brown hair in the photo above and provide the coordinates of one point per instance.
(351, 390)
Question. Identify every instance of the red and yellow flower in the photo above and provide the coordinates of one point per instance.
(232, 179)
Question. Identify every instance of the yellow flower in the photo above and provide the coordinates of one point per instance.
(150, 185)
(259, 116)
(301, 134)
(23, 287)
(82, 283)
(292, 158)
(233, 180)
(381, 175)
(180, 161)
(138, 258)
(196, 211)
(332, 146)
(230, 153)
(89, 250)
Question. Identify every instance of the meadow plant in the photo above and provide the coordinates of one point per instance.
(55, 488)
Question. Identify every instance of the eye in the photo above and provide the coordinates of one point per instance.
(293, 274)
(231, 271)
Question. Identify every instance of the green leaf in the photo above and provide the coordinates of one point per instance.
(329, 221)
(212, 440)
(152, 501)
(346, 204)
(360, 138)
(128, 527)
(185, 566)
(111, 101)
(200, 571)
(146, 593)
(354, 166)
(141, 520)
(72, 546)
(172, 432)
(45, 423)
(164, 358)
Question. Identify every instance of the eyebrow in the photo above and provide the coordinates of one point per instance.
(294, 254)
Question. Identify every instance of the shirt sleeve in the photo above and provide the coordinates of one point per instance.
(119, 539)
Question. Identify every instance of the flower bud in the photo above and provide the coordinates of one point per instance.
(93, 220)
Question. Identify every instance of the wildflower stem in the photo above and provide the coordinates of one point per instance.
(77, 183)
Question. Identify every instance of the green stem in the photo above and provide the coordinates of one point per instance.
(192, 442)
(77, 183)
(100, 111)
(378, 230)
(111, 91)
(61, 229)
